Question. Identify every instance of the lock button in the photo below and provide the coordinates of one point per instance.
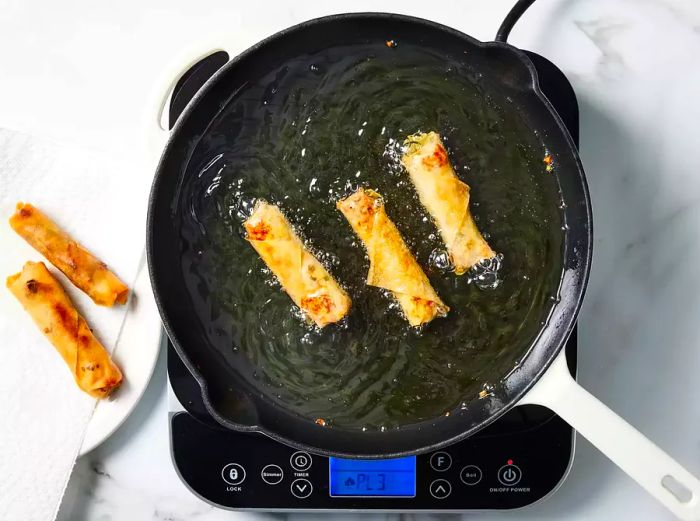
(233, 474)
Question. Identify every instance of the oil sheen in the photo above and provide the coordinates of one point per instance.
(305, 135)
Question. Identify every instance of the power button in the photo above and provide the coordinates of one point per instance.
(509, 475)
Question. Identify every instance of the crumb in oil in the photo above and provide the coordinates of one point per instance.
(549, 162)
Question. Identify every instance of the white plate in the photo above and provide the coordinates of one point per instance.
(135, 352)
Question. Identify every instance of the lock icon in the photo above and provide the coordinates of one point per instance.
(233, 474)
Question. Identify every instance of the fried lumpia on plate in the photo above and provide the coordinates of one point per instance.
(43, 298)
(82, 268)
(446, 198)
(301, 275)
(392, 265)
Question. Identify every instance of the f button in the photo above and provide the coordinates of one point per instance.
(440, 461)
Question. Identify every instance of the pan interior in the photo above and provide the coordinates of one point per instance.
(302, 134)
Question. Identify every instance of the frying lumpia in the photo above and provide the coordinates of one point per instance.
(446, 198)
(392, 265)
(53, 312)
(82, 268)
(302, 276)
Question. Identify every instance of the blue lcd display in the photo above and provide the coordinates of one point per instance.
(373, 478)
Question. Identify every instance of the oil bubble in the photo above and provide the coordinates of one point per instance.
(440, 260)
(313, 186)
(485, 274)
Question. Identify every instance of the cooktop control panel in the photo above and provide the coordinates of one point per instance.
(493, 470)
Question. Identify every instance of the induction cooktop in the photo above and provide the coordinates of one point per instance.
(518, 460)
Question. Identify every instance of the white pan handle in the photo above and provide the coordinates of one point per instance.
(158, 96)
(629, 449)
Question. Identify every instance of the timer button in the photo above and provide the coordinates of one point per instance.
(300, 461)
(509, 475)
(272, 474)
(440, 488)
(441, 461)
(470, 475)
(233, 474)
(302, 488)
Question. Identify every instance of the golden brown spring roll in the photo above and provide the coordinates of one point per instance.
(301, 275)
(53, 312)
(446, 198)
(82, 268)
(391, 264)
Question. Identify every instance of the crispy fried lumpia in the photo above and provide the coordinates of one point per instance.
(53, 312)
(446, 198)
(392, 265)
(82, 268)
(301, 275)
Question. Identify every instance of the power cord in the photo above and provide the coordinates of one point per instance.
(511, 18)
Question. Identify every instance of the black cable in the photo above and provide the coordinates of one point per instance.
(511, 18)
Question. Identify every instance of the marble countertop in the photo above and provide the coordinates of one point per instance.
(70, 67)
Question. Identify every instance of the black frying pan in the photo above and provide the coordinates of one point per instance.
(229, 109)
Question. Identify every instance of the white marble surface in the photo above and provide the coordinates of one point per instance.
(635, 66)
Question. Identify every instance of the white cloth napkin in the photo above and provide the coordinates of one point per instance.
(43, 414)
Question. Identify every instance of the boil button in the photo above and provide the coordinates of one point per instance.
(470, 475)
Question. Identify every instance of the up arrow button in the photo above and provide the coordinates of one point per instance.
(440, 488)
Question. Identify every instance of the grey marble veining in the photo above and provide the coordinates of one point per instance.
(635, 66)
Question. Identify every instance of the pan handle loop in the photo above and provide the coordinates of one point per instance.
(659, 474)
(155, 133)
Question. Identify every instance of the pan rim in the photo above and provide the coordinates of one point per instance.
(573, 305)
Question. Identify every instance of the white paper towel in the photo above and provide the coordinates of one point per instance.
(43, 414)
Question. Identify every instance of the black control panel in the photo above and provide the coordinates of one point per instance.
(512, 463)
(492, 470)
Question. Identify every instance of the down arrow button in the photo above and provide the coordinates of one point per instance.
(302, 488)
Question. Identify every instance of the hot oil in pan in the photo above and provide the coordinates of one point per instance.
(305, 135)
